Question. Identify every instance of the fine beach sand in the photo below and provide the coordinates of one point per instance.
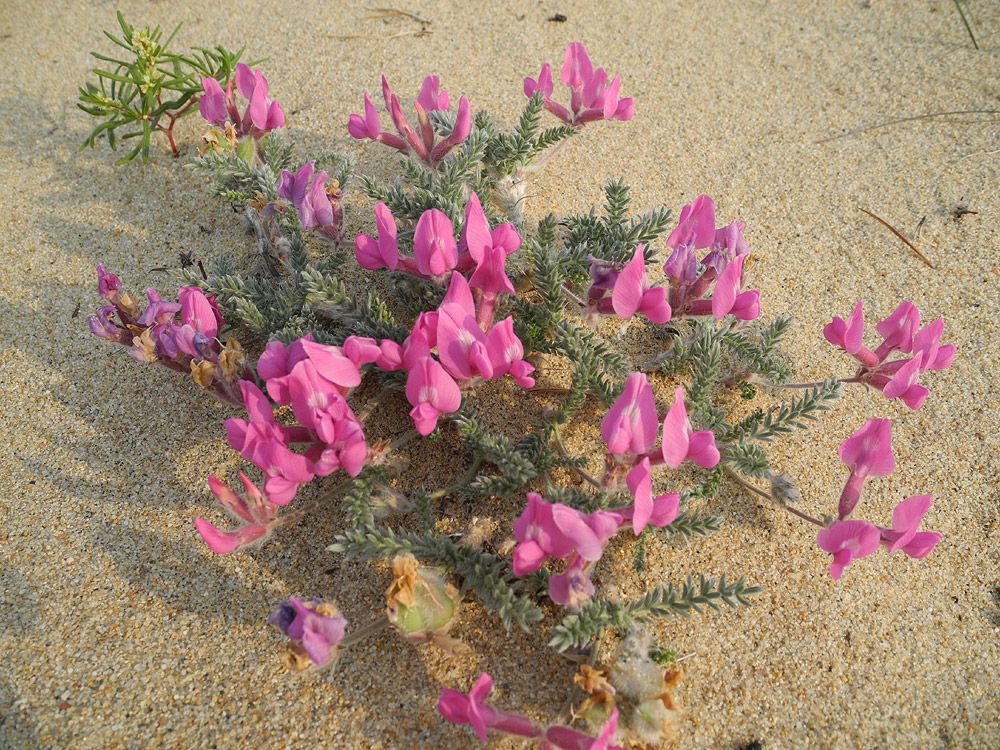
(118, 628)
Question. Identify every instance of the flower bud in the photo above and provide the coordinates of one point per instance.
(421, 604)
(782, 489)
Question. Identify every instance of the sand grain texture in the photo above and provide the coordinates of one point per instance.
(118, 628)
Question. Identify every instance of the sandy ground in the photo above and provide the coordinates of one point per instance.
(118, 628)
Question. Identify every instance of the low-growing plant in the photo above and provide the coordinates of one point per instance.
(481, 304)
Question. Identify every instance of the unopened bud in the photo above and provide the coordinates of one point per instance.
(421, 604)
(782, 489)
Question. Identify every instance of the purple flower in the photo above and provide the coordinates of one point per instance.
(317, 625)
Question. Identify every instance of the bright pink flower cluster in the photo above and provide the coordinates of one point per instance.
(318, 207)
(471, 708)
(591, 97)
(632, 291)
(420, 144)
(868, 452)
(190, 345)
(261, 115)
(314, 379)
(900, 332)
(469, 345)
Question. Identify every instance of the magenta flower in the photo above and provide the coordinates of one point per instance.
(696, 227)
(507, 354)
(371, 127)
(333, 365)
(546, 530)
(256, 510)
(197, 311)
(633, 293)
(432, 392)
(681, 442)
(108, 285)
(868, 452)
(903, 383)
(309, 196)
(591, 97)
(658, 512)
(432, 96)
(383, 252)
(848, 541)
(848, 335)
(631, 425)
(927, 343)
(727, 298)
(898, 330)
(319, 633)
(434, 244)
(320, 407)
(906, 520)
(102, 326)
(261, 116)
(565, 738)
(459, 708)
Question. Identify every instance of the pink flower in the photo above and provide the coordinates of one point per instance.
(681, 442)
(320, 634)
(564, 738)
(848, 335)
(108, 285)
(555, 530)
(658, 512)
(729, 245)
(432, 392)
(462, 344)
(903, 383)
(591, 97)
(432, 96)
(434, 244)
(696, 227)
(383, 252)
(261, 116)
(574, 587)
(898, 330)
(459, 708)
(631, 424)
(488, 249)
(276, 364)
(906, 520)
(256, 510)
(868, 452)
(848, 541)
(633, 293)
(507, 354)
(727, 298)
(371, 127)
(310, 199)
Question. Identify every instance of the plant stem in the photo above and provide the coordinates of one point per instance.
(466, 478)
(767, 495)
(363, 632)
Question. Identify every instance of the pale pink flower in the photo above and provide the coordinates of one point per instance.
(507, 354)
(727, 247)
(432, 96)
(462, 344)
(696, 227)
(591, 97)
(370, 126)
(848, 335)
(574, 587)
(848, 541)
(681, 442)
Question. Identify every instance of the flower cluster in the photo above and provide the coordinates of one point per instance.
(261, 116)
(591, 97)
(632, 292)
(189, 345)
(318, 205)
(868, 452)
(900, 332)
(419, 144)
(470, 346)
